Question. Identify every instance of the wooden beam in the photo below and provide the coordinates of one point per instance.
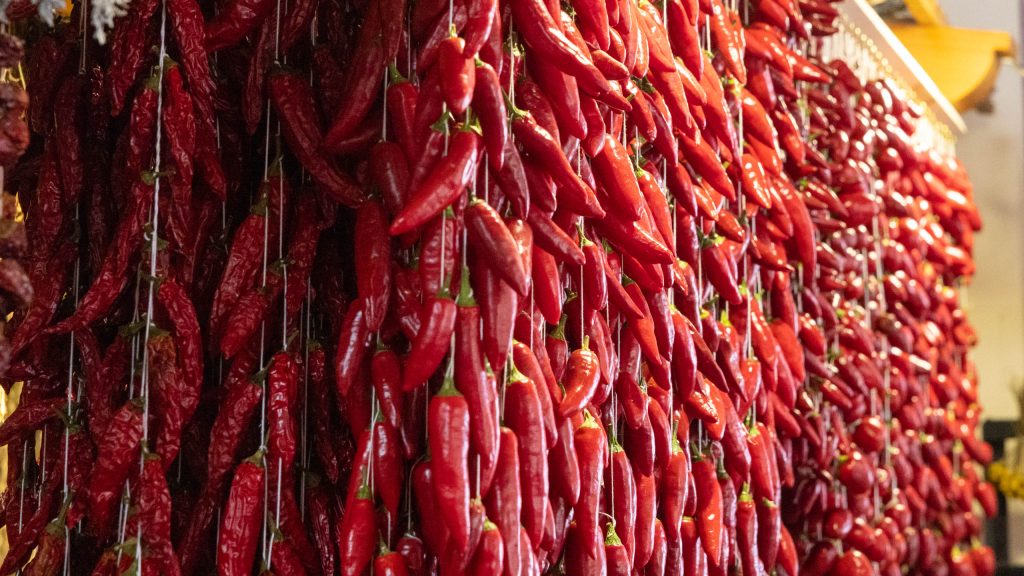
(926, 12)
(963, 63)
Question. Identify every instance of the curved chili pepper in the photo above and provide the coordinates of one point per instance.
(49, 555)
(635, 239)
(446, 181)
(525, 360)
(353, 342)
(29, 417)
(615, 173)
(489, 106)
(290, 93)
(562, 93)
(373, 262)
(428, 349)
(378, 42)
(544, 35)
(497, 246)
(229, 428)
(114, 459)
(553, 239)
(234, 23)
(543, 146)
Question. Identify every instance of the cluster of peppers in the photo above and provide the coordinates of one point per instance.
(487, 287)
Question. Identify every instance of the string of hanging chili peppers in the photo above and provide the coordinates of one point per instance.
(601, 287)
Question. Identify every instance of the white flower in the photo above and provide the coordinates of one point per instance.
(103, 14)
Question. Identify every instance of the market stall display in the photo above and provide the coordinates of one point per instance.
(482, 287)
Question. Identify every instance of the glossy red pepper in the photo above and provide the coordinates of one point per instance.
(444, 184)
(448, 436)
(523, 416)
(357, 533)
(437, 319)
(504, 501)
(458, 74)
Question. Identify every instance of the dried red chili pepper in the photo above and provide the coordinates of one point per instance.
(458, 74)
(49, 555)
(373, 262)
(114, 460)
(128, 49)
(293, 100)
(353, 342)
(229, 428)
(378, 42)
(241, 518)
(282, 388)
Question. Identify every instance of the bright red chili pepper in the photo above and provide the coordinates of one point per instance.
(489, 106)
(448, 437)
(709, 505)
(357, 534)
(523, 415)
(583, 374)
(497, 247)
(444, 184)
(458, 74)
(543, 34)
(504, 501)
(623, 489)
(437, 319)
